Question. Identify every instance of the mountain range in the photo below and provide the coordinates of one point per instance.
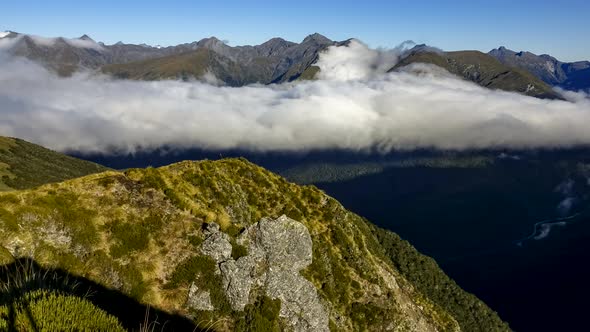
(274, 61)
(278, 61)
(482, 69)
(568, 75)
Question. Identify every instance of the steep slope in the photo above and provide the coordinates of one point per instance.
(274, 61)
(26, 165)
(62, 55)
(570, 75)
(470, 211)
(228, 244)
(484, 70)
(578, 80)
(66, 55)
(183, 66)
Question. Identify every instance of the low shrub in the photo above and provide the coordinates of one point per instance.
(42, 310)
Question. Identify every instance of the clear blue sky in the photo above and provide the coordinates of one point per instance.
(560, 28)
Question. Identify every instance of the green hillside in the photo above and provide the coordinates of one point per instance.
(195, 65)
(26, 165)
(221, 242)
(484, 70)
(178, 66)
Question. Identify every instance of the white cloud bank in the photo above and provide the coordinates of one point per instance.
(355, 106)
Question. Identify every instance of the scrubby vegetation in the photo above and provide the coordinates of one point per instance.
(33, 298)
(44, 310)
(263, 315)
(25, 165)
(334, 172)
(428, 278)
(139, 232)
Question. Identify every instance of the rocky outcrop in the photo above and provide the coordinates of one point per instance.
(277, 251)
(217, 244)
(199, 299)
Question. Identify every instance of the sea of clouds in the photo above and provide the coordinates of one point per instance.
(355, 104)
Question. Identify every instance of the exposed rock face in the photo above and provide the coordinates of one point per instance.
(568, 75)
(198, 299)
(216, 245)
(274, 61)
(277, 250)
(238, 280)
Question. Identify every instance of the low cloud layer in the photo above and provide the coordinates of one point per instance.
(356, 105)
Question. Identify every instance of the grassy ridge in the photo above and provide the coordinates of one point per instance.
(26, 165)
(484, 70)
(139, 232)
(196, 64)
(181, 66)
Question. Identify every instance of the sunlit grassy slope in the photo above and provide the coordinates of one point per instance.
(484, 70)
(139, 232)
(25, 165)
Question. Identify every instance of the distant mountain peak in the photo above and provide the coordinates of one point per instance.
(276, 43)
(321, 39)
(86, 37)
(212, 38)
(275, 40)
(502, 50)
(8, 34)
(423, 48)
(210, 42)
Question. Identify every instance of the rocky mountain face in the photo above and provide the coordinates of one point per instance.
(274, 61)
(569, 75)
(232, 246)
(482, 69)
(278, 61)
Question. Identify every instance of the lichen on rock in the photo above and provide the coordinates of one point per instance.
(277, 250)
(199, 299)
(216, 244)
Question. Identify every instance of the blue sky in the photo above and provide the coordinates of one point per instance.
(557, 28)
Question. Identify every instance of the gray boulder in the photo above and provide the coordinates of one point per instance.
(278, 249)
(199, 299)
(216, 244)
